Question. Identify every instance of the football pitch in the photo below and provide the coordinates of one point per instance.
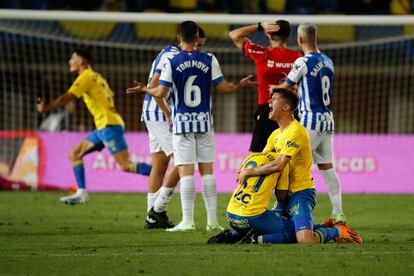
(40, 236)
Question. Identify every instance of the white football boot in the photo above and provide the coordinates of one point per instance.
(80, 197)
(182, 227)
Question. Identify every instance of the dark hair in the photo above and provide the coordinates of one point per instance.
(290, 97)
(188, 31)
(284, 31)
(201, 33)
(84, 53)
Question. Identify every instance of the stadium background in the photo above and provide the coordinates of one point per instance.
(373, 63)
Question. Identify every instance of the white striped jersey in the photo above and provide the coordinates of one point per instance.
(314, 75)
(190, 75)
(150, 110)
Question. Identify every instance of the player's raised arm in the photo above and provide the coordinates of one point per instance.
(43, 107)
(239, 36)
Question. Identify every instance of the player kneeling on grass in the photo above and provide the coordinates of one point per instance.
(98, 97)
(291, 143)
(253, 222)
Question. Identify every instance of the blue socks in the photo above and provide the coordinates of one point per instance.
(79, 172)
(142, 168)
(327, 234)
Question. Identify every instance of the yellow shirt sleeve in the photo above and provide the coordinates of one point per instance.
(292, 145)
(80, 86)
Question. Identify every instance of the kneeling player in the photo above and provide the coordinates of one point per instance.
(248, 212)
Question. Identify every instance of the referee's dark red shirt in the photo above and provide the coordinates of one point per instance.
(272, 66)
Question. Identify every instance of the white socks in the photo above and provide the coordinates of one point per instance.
(187, 192)
(151, 197)
(209, 191)
(163, 198)
(334, 190)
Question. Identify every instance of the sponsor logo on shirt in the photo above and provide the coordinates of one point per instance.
(272, 63)
(192, 117)
(255, 51)
(291, 144)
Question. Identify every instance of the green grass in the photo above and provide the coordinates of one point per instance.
(40, 236)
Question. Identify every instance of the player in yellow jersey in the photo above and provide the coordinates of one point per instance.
(248, 206)
(291, 142)
(98, 97)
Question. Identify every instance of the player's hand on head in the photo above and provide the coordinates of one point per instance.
(247, 82)
(270, 27)
(41, 105)
(271, 87)
(138, 88)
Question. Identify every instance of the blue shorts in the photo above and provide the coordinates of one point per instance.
(111, 137)
(266, 223)
(299, 208)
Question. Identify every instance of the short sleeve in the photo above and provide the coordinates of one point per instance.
(166, 74)
(294, 141)
(298, 71)
(216, 74)
(254, 51)
(80, 85)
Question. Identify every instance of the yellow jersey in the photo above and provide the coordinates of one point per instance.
(253, 196)
(294, 142)
(98, 97)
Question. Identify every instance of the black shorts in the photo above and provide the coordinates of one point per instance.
(262, 129)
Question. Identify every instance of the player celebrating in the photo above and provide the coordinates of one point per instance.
(314, 75)
(291, 142)
(98, 97)
(273, 63)
(190, 73)
(249, 216)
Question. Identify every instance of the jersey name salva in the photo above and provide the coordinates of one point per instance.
(314, 75)
(190, 75)
(150, 110)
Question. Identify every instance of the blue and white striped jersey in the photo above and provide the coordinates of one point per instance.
(150, 110)
(190, 75)
(314, 75)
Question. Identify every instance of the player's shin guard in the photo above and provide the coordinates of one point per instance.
(79, 171)
(209, 192)
(163, 198)
(187, 192)
(325, 235)
(334, 189)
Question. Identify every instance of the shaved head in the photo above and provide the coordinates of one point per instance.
(308, 32)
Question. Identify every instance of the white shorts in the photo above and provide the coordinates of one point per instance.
(322, 146)
(160, 137)
(192, 148)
